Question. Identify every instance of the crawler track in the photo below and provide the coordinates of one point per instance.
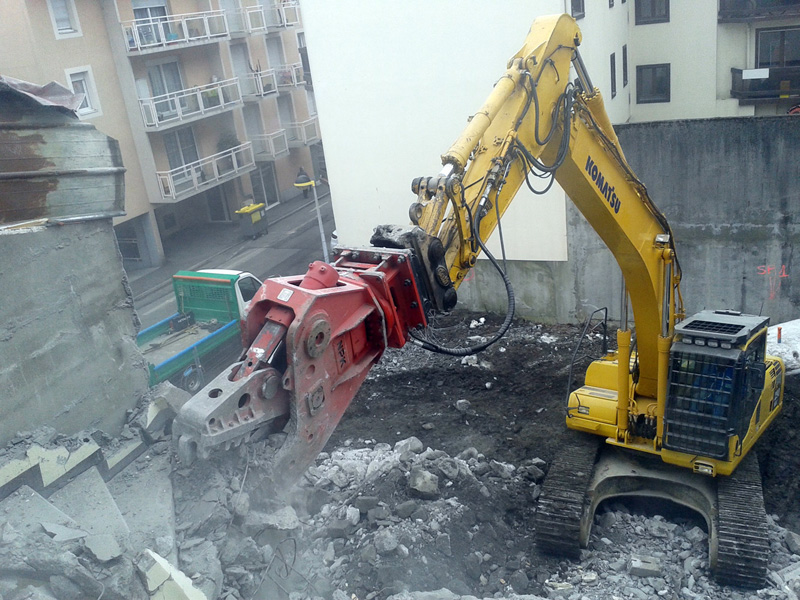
(743, 550)
(563, 498)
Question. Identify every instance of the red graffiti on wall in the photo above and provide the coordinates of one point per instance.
(774, 275)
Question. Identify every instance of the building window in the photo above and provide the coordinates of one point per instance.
(181, 149)
(652, 11)
(81, 81)
(64, 18)
(613, 74)
(778, 48)
(652, 83)
(151, 23)
(578, 10)
(610, 3)
(624, 65)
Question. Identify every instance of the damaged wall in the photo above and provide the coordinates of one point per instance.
(67, 324)
(67, 331)
(729, 188)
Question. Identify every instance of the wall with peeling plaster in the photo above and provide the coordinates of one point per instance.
(730, 189)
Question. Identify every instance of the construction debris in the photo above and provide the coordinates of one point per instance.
(370, 520)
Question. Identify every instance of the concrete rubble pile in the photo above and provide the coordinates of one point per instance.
(368, 521)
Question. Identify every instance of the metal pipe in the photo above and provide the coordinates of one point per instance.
(623, 381)
(665, 307)
(623, 307)
(583, 74)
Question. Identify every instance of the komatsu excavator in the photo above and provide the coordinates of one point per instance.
(678, 405)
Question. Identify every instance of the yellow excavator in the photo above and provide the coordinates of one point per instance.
(673, 412)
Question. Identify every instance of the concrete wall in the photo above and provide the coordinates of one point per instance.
(730, 189)
(67, 331)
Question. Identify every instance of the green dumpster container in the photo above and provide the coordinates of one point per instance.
(253, 220)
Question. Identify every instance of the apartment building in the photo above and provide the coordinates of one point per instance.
(211, 101)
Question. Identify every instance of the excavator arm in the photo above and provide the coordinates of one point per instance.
(312, 340)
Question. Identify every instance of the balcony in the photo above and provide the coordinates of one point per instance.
(290, 75)
(270, 146)
(185, 106)
(155, 34)
(304, 133)
(758, 86)
(285, 15)
(205, 173)
(247, 21)
(745, 11)
(259, 84)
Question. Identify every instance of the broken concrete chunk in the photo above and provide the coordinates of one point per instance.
(644, 566)
(558, 589)
(104, 547)
(353, 515)
(157, 415)
(172, 395)
(284, 519)
(385, 542)
(365, 503)
(59, 533)
(64, 589)
(406, 509)
(792, 541)
(423, 484)
(164, 581)
(339, 529)
(411, 444)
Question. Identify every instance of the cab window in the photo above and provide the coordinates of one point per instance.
(248, 286)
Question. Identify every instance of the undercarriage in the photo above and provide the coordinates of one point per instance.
(589, 472)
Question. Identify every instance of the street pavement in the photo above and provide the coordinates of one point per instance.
(292, 242)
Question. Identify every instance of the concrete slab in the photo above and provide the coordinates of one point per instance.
(59, 533)
(87, 499)
(16, 473)
(122, 457)
(58, 465)
(26, 510)
(166, 582)
(143, 493)
(103, 547)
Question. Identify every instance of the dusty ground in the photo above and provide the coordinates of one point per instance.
(516, 393)
(429, 484)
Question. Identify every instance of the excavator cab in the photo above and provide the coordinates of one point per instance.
(722, 389)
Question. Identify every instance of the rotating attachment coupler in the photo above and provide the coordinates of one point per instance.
(430, 271)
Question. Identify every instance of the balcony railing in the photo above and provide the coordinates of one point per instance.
(304, 133)
(263, 83)
(248, 20)
(755, 86)
(290, 75)
(285, 15)
(188, 105)
(270, 146)
(739, 11)
(205, 173)
(174, 31)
